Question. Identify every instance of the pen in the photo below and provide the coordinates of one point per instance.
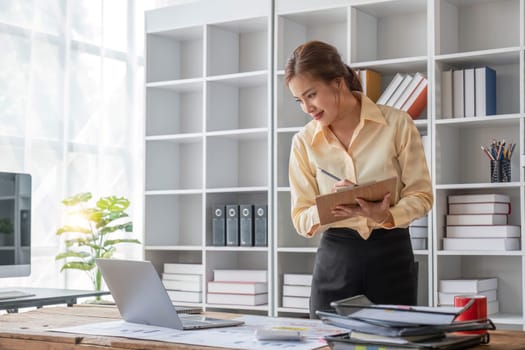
(329, 174)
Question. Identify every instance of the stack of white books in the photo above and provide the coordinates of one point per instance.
(296, 290)
(480, 222)
(238, 287)
(488, 287)
(419, 233)
(183, 282)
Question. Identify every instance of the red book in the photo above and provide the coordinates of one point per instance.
(417, 101)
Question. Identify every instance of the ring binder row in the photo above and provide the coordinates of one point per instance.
(240, 225)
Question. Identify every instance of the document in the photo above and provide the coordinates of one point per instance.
(371, 191)
(239, 337)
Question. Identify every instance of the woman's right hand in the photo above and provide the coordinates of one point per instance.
(341, 184)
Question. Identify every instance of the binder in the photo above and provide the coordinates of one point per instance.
(260, 225)
(232, 225)
(246, 224)
(371, 191)
(218, 225)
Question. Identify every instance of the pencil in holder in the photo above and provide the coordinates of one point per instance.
(495, 171)
(505, 170)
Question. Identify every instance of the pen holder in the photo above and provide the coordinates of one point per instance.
(505, 170)
(500, 170)
(495, 171)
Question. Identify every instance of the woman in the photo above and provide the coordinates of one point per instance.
(368, 251)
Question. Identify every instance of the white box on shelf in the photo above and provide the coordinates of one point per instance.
(476, 219)
(499, 244)
(471, 285)
(419, 243)
(448, 298)
(296, 302)
(297, 279)
(240, 275)
(184, 296)
(189, 286)
(296, 291)
(479, 198)
(238, 299)
(482, 231)
(183, 268)
(237, 287)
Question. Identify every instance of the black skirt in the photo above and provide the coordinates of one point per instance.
(381, 267)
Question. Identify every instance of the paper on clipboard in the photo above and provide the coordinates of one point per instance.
(371, 191)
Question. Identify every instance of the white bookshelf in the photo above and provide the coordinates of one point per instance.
(219, 124)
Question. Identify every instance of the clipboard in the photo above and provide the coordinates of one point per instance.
(371, 191)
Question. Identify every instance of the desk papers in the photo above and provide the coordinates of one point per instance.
(239, 337)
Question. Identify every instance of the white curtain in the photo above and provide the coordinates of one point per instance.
(71, 114)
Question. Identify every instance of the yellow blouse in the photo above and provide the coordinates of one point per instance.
(385, 143)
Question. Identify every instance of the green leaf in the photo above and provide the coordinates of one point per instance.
(79, 265)
(72, 254)
(77, 198)
(113, 203)
(111, 242)
(73, 229)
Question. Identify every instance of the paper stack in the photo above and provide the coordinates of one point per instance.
(183, 282)
(419, 233)
(448, 288)
(296, 291)
(400, 326)
(480, 222)
(238, 287)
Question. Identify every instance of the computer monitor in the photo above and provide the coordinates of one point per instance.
(15, 224)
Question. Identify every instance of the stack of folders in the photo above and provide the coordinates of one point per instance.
(419, 233)
(296, 291)
(468, 92)
(392, 327)
(407, 92)
(476, 286)
(480, 222)
(183, 282)
(238, 287)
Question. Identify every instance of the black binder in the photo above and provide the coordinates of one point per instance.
(261, 225)
(246, 224)
(232, 225)
(218, 225)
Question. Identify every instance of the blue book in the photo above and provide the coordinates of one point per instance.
(485, 91)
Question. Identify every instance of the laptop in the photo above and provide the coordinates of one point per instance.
(141, 297)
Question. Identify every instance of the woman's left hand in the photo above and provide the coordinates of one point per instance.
(377, 211)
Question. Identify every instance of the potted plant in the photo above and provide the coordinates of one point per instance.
(92, 234)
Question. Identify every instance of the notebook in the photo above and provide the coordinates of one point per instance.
(141, 297)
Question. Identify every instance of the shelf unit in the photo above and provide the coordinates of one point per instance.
(237, 53)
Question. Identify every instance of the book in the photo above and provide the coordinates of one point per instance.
(479, 231)
(371, 83)
(500, 244)
(371, 191)
(470, 90)
(185, 296)
(237, 299)
(479, 208)
(399, 90)
(182, 277)
(345, 342)
(417, 101)
(240, 275)
(189, 286)
(297, 279)
(458, 100)
(468, 286)
(411, 87)
(296, 302)
(418, 232)
(418, 243)
(360, 307)
(485, 91)
(296, 291)
(183, 268)
(479, 198)
(476, 219)
(446, 94)
(447, 299)
(389, 90)
(237, 287)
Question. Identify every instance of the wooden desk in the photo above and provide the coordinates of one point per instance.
(27, 330)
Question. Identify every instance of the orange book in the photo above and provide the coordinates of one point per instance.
(417, 102)
(371, 83)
